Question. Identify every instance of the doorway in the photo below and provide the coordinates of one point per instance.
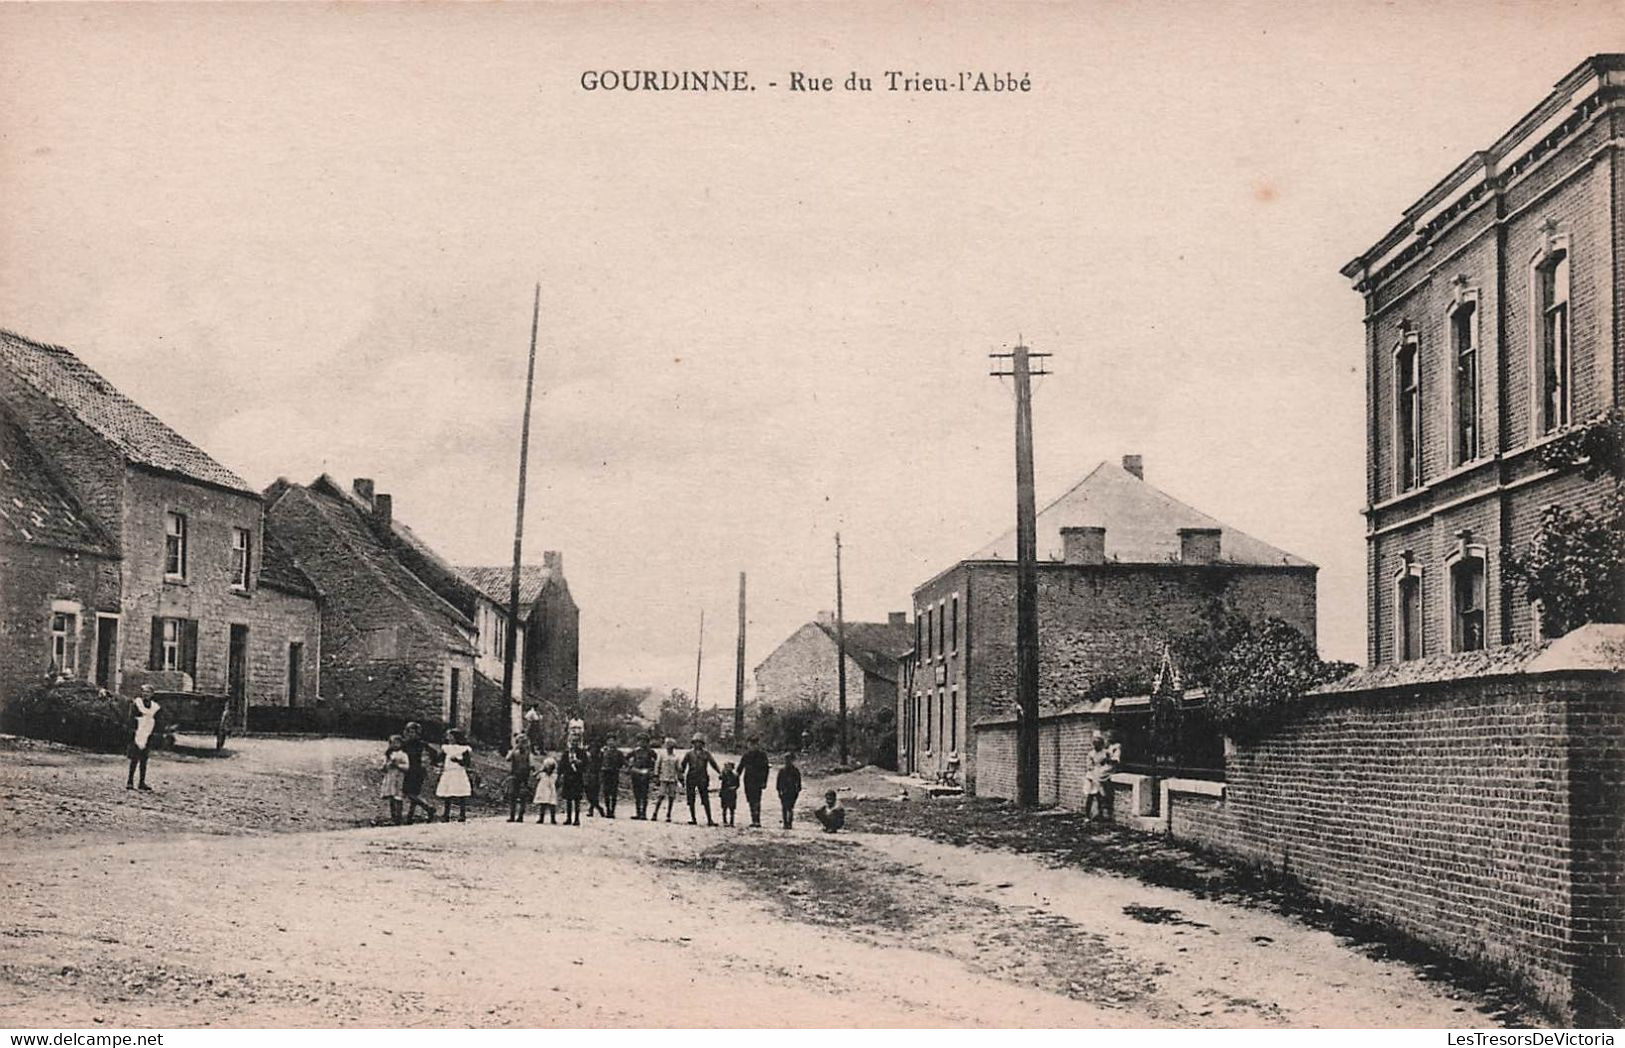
(237, 674)
(107, 652)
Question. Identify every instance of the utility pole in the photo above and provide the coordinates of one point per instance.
(739, 670)
(699, 660)
(516, 703)
(840, 646)
(1026, 575)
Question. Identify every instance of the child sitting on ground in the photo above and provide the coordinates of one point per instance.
(393, 786)
(517, 788)
(547, 792)
(831, 816)
(728, 790)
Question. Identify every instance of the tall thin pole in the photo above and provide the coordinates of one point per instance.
(699, 660)
(1026, 580)
(516, 703)
(840, 646)
(739, 670)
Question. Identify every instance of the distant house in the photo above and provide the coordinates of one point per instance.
(393, 648)
(547, 661)
(128, 555)
(804, 668)
(1122, 567)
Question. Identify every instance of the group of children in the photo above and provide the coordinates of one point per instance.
(578, 773)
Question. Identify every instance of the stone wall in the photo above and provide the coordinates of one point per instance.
(31, 579)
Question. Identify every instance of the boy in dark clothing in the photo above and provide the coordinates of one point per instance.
(753, 776)
(728, 790)
(518, 786)
(419, 754)
(642, 768)
(696, 769)
(572, 774)
(788, 784)
(593, 779)
(610, 763)
(831, 816)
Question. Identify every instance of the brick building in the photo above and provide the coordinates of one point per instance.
(1122, 568)
(804, 668)
(547, 659)
(141, 555)
(393, 648)
(1492, 331)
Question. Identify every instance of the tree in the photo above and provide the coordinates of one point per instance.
(676, 715)
(1574, 568)
(1252, 673)
(617, 711)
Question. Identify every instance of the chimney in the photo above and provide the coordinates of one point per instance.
(1198, 545)
(1083, 545)
(362, 486)
(1134, 464)
(383, 510)
(825, 618)
(897, 618)
(553, 561)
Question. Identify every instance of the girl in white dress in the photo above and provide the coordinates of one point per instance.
(454, 783)
(547, 792)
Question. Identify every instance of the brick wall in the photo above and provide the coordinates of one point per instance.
(1063, 743)
(1479, 815)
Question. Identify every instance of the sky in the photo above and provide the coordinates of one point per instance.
(307, 237)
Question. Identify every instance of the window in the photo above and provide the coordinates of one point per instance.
(174, 646)
(296, 664)
(1408, 627)
(1467, 603)
(1553, 362)
(917, 649)
(241, 557)
(929, 636)
(453, 707)
(171, 645)
(65, 643)
(953, 719)
(942, 627)
(175, 545)
(954, 618)
(929, 722)
(499, 636)
(1408, 413)
(1464, 339)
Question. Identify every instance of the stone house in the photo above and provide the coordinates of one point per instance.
(151, 564)
(1492, 333)
(804, 668)
(1122, 568)
(393, 648)
(547, 658)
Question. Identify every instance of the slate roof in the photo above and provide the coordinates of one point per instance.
(126, 426)
(278, 569)
(36, 507)
(349, 533)
(493, 582)
(876, 646)
(1142, 525)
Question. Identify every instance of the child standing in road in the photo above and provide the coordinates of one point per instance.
(668, 772)
(728, 791)
(518, 784)
(393, 786)
(788, 783)
(547, 793)
(454, 782)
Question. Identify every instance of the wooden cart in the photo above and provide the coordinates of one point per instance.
(193, 712)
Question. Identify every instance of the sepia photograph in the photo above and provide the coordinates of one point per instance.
(623, 516)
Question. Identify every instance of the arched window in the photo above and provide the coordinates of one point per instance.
(1408, 411)
(1465, 438)
(1467, 621)
(1550, 324)
(1408, 640)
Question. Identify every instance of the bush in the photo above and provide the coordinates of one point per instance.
(1266, 669)
(73, 712)
(815, 732)
(1575, 567)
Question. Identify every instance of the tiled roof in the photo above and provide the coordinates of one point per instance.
(876, 646)
(35, 507)
(494, 583)
(128, 428)
(349, 534)
(1142, 525)
(278, 569)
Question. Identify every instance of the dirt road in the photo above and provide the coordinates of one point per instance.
(625, 923)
